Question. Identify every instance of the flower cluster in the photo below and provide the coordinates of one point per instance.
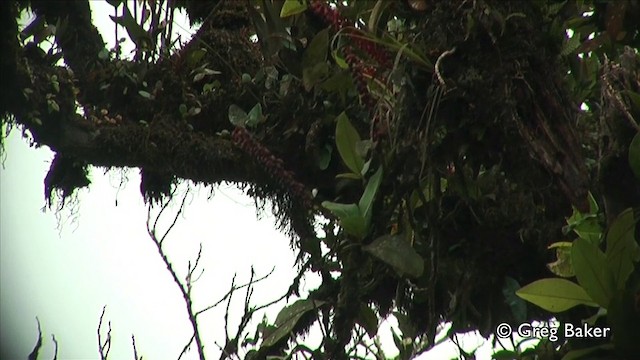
(338, 22)
(358, 70)
(274, 165)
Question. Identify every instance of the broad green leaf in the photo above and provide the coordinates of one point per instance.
(339, 83)
(292, 7)
(350, 217)
(622, 247)
(555, 294)
(316, 52)
(355, 225)
(288, 318)
(255, 115)
(346, 139)
(313, 74)
(237, 116)
(562, 266)
(395, 251)
(592, 271)
(341, 210)
(634, 155)
(366, 201)
(368, 320)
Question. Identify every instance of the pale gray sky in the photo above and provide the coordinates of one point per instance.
(103, 256)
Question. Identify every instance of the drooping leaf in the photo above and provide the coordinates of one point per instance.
(288, 318)
(316, 52)
(292, 7)
(368, 320)
(350, 217)
(592, 271)
(634, 155)
(622, 248)
(397, 252)
(341, 210)
(555, 294)
(346, 139)
(366, 201)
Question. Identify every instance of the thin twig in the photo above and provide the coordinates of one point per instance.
(104, 347)
(184, 288)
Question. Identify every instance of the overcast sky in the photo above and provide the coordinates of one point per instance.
(63, 267)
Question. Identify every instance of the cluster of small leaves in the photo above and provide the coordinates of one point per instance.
(274, 165)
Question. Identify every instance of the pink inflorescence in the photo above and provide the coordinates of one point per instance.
(274, 165)
(338, 22)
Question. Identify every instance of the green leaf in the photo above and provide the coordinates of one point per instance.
(368, 320)
(622, 247)
(313, 74)
(237, 116)
(324, 157)
(355, 225)
(634, 155)
(292, 7)
(555, 294)
(562, 266)
(339, 83)
(183, 109)
(346, 139)
(288, 318)
(366, 201)
(255, 115)
(592, 271)
(341, 210)
(350, 217)
(145, 94)
(316, 52)
(397, 252)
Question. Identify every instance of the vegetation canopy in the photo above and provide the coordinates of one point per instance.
(471, 162)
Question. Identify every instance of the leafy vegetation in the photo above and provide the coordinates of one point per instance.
(452, 148)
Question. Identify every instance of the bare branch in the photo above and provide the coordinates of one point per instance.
(104, 347)
(36, 349)
(185, 289)
(55, 347)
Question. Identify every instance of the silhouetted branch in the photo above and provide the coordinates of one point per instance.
(104, 347)
(36, 349)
